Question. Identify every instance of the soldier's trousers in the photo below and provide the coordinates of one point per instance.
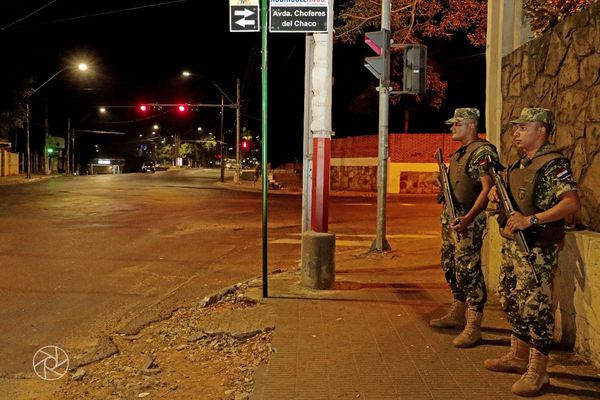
(461, 262)
(528, 305)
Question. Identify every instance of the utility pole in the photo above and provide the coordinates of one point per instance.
(236, 179)
(222, 143)
(68, 163)
(380, 243)
(45, 157)
(28, 150)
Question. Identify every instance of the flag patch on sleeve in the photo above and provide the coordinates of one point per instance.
(563, 174)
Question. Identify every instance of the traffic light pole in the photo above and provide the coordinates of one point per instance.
(222, 143)
(381, 244)
(236, 179)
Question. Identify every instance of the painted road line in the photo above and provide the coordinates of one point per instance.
(389, 236)
(338, 243)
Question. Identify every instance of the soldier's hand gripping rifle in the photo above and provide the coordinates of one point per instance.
(507, 208)
(446, 191)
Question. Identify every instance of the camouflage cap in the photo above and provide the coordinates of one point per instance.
(462, 114)
(535, 114)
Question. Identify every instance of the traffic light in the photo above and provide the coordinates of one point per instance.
(50, 150)
(245, 146)
(379, 66)
(143, 108)
(415, 68)
(182, 108)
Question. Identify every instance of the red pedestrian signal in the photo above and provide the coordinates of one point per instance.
(245, 145)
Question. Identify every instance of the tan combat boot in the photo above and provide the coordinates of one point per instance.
(514, 361)
(535, 378)
(471, 335)
(455, 317)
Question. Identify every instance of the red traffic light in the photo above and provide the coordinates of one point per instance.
(143, 108)
(182, 108)
(245, 145)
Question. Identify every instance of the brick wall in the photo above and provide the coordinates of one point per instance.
(406, 147)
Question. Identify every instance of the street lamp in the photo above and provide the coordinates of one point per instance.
(80, 67)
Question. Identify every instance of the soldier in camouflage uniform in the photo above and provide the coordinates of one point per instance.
(463, 237)
(543, 191)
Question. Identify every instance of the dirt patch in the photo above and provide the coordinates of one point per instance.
(208, 352)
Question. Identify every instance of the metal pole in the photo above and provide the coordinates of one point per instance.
(45, 156)
(74, 167)
(237, 135)
(28, 145)
(380, 243)
(68, 163)
(264, 81)
(222, 143)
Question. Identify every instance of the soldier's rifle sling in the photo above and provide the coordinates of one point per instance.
(507, 210)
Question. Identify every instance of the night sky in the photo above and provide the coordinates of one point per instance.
(137, 56)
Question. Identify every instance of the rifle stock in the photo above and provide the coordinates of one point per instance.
(507, 209)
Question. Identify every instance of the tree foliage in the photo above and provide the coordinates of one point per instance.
(12, 111)
(544, 14)
(187, 150)
(413, 21)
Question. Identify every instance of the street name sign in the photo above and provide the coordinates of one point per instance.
(244, 16)
(306, 16)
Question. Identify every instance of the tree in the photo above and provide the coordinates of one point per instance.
(12, 112)
(413, 21)
(544, 14)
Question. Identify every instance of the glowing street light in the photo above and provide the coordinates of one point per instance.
(81, 67)
(102, 110)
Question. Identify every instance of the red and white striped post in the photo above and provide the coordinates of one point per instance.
(320, 182)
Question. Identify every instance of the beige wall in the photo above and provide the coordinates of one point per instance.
(9, 163)
(409, 172)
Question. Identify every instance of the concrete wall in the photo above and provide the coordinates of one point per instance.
(560, 71)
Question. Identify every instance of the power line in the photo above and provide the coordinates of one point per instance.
(27, 16)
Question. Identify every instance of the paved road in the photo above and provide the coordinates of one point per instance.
(85, 257)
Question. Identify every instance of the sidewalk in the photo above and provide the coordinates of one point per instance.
(22, 178)
(370, 338)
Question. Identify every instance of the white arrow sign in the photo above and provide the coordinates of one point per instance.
(245, 22)
(245, 12)
(244, 17)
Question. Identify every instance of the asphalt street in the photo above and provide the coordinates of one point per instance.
(82, 258)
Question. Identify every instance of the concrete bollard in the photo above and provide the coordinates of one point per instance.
(318, 260)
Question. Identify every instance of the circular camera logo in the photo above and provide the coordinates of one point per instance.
(50, 363)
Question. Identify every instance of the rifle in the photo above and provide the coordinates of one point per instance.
(507, 209)
(446, 191)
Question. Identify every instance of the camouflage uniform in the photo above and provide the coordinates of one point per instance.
(527, 304)
(461, 260)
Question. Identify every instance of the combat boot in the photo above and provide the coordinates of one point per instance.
(514, 361)
(535, 378)
(471, 335)
(455, 317)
